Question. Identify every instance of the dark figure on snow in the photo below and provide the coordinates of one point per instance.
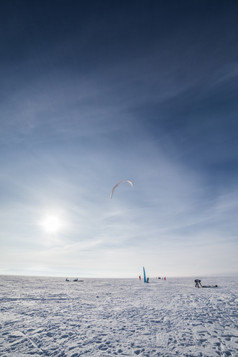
(198, 283)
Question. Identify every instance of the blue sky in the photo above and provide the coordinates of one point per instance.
(95, 92)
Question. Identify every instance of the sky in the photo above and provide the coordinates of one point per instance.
(94, 92)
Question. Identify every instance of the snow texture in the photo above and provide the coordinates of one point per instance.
(116, 317)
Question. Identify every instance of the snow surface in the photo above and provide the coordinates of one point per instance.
(107, 317)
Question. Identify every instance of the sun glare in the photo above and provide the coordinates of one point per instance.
(52, 224)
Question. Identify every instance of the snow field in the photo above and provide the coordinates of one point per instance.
(116, 317)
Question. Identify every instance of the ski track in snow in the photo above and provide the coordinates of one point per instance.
(116, 317)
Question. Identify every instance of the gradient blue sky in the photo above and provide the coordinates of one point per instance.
(93, 92)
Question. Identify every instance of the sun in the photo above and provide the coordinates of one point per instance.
(52, 223)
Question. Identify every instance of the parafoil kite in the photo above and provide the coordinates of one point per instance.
(129, 181)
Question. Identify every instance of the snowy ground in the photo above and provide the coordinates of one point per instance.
(52, 317)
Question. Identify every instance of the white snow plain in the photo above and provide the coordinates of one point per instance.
(117, 317)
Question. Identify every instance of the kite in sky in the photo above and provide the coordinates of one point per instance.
(129, 181)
